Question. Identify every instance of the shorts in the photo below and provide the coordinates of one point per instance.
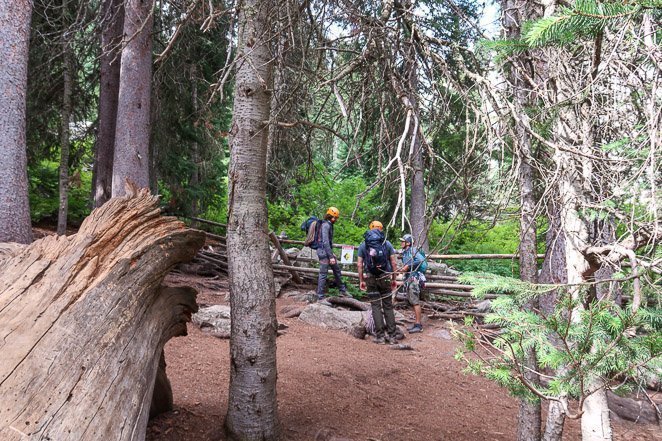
(413, 292)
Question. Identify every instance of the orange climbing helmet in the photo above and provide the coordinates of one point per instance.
(376, 224)
(333, 211)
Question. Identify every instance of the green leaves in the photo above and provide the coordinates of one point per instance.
(586, 19)
(579, 340)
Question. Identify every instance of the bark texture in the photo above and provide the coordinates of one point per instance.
(67, 77)
(112, 23)
(15, 18)
(83, 321)
(131, 156)
(252, 406)
(515, 12)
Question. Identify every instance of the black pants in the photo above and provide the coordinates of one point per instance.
(321, 279)
(379, 296)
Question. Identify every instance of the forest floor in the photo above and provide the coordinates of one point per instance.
(332, 386)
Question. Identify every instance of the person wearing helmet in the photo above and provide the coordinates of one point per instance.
(413, 277)
(326, 256)
(376, 264)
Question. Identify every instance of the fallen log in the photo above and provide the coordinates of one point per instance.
(83, 321)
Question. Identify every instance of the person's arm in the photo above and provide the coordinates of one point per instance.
(359, 264)
(393, 273)
(326, 242)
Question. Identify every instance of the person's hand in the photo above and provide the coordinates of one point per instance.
(362, 285)
(332, 261)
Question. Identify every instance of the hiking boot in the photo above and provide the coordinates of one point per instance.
(391, 340)
(324, 302)
(416, 328)
(379, 340)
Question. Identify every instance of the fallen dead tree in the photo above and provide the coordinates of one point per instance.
(83, 320)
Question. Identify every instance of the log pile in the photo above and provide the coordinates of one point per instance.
(83, 321)
(446, 298)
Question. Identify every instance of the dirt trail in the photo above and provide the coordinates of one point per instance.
(331, 382)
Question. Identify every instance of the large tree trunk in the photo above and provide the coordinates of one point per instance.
(131, 156)
(83, 321)
(515, 12)
(252, 405)
(112, 23)
(67, 79)
(418, 199)
(15, 17)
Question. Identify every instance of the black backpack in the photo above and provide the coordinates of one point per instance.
(313, 228)
(376, 253)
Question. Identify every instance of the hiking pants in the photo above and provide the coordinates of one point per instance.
(379, 296)
(321, 279)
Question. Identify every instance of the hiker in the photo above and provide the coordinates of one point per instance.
(413, 266)
(376, 265)
(326, 256)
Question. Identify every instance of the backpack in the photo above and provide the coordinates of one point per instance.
(419, 256)
(313, 229)
(377, 256)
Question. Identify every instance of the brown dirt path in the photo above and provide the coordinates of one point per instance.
(331, 382)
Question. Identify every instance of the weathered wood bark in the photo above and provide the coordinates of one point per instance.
(131, 155)
(67, 79)
(252, 406)
(575, 176)
(15, 17)
(112, 23)
(83, 321)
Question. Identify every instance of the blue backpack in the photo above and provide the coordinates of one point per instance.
(419, 256)
(377, 256)
(312, 227)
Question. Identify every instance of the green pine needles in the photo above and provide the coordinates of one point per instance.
(585, 19)
(574, 345)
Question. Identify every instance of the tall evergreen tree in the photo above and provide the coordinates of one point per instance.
(131, 158)
(15, 17)
(252, 405)
(111, 22)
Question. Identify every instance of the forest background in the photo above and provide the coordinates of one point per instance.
(542, 140)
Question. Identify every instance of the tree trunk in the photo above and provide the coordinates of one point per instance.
(112, 23)
(575, 174)
(252, 405)
(131, 156)
(15, 17)
(514, 13)
(67, 76)
(553, 272)
(83, 321)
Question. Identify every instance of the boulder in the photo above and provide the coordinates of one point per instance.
(214, 320)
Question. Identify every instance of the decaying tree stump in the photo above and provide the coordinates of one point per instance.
(83, 321)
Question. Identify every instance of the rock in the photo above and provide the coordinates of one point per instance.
(441, 269)
(632, 409)
(483, 307)
(441, 333)
(281, 281)
(300, 296)
(214, 320)
(290, 311)
(292, 253)
(307, 253)
(330, 318)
